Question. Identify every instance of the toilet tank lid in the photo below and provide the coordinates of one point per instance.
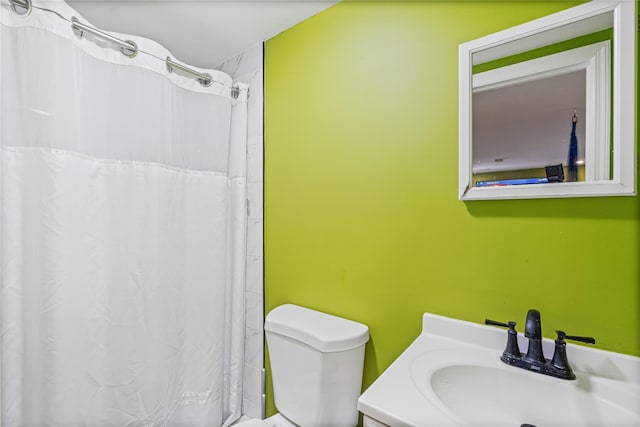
(322, 331)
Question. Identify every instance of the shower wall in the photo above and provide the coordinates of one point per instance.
(247, 68)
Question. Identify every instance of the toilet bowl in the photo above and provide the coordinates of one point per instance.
(316, 368)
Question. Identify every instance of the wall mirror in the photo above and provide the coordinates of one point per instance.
(547, 107)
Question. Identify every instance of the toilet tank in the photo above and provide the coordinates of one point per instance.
(316, 365)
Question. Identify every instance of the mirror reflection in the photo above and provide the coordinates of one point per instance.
(521, 129)
(529, 117)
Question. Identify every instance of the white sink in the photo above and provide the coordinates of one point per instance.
(489, 396)
(452, 375)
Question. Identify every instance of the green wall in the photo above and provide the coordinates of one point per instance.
(362, 218)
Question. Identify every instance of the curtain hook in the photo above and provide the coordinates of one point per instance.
(574, 119)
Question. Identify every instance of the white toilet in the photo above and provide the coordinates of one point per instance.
(316, 368)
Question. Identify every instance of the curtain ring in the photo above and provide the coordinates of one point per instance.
(21, 7)
(206, 82)
(130, 52)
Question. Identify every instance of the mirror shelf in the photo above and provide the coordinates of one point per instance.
(609, 149)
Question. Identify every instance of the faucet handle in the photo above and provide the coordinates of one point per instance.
(563, 336)
(510, 325)
(511, 351)
(559, 359)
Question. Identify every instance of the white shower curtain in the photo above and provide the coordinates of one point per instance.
(123, 233)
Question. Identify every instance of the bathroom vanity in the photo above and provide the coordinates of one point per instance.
(452, 375)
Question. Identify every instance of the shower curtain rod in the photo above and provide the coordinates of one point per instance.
(127, 47)
(130, 49)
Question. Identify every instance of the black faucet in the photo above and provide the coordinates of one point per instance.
(534, 360)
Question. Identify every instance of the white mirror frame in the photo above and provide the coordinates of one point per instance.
(544, 31)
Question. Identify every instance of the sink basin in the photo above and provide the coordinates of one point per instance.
(451, 375)
(483, 395)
